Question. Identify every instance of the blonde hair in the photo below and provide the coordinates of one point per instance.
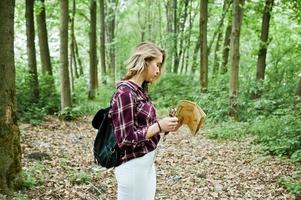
(141, 55)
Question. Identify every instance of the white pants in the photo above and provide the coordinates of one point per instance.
(136, 178)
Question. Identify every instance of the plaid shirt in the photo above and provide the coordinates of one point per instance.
(132, 113)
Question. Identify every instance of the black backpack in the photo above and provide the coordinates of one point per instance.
(106, 151)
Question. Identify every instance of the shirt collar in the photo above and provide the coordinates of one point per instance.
(130, 84)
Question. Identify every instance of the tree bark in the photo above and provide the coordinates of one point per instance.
(195, 55)
(298, 91)
(226, 7)
(31, 51)
(81, 69)
(64, 70)
(169, 30)
(216, 62)
(111, 38)
(43, 40)
(182, 33)
(148, 20)
(175, 38)
(216, 55)
(203, 42)
(187, 50)
(226, 48)
(141, 22)
(261, 61)
(92, 52)
(73, 64)
(10, 149)
(102, 41)
(237, 14)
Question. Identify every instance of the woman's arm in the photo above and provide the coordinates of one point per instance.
(166, 124)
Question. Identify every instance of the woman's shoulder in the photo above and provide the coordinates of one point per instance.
(124, 89)
(125, 86)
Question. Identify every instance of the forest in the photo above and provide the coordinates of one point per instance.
(239, 60)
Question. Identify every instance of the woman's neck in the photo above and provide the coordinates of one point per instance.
(137, 79)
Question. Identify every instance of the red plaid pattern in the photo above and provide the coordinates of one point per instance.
(132, 113)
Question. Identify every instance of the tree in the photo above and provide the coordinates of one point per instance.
(64, 70)
(102, 40)
(186, 52)
(226, 48)
(10, 149)
(237, 14)
(182, 22)
(92, 52)
(226, 7)
(72, 59)
(43, 39)
(203, 42)
(31, 52)
(72, 43)
(175, 38)
(298, 91)
(261, 61)
(169, 31)
(111, 34)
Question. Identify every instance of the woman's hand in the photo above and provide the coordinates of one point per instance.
(169, 124)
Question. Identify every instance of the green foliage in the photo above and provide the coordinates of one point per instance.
(17, 196)
(70, 113)
(49, 96)
(280, 135)
(227, 130)
(296, 156)
(83, 106)
(48, 102)
(33, 176)
(79, 177)
(292, 183)
(172, 88)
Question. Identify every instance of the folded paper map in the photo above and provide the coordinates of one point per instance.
(191, 114)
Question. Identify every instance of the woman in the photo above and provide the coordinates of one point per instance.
(136, 126)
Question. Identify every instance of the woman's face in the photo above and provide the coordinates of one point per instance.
(153, 69)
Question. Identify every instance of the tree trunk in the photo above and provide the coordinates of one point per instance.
(216, 61)
(111, 38)
(160, 21)
(216, 55)
(298, 91)
(226, 48)
(182, 33)
(261, 61)
(226, 7)
(175, 38)
(102, 41)
(10, 149)
(195, 55)
(43, 40)
(92, 52)
(73, 64)
(169, 30)
(237, 14)
(70, 64)
(81, 69)
(141, 24)
(203, 42)
(31, 52)
(148, 20)
(187, 51)
(64, 70)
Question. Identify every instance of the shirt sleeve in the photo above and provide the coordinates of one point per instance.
(127, 135)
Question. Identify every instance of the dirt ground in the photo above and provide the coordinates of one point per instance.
(188, 168)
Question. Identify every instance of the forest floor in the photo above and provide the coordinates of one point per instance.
(188, 168)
